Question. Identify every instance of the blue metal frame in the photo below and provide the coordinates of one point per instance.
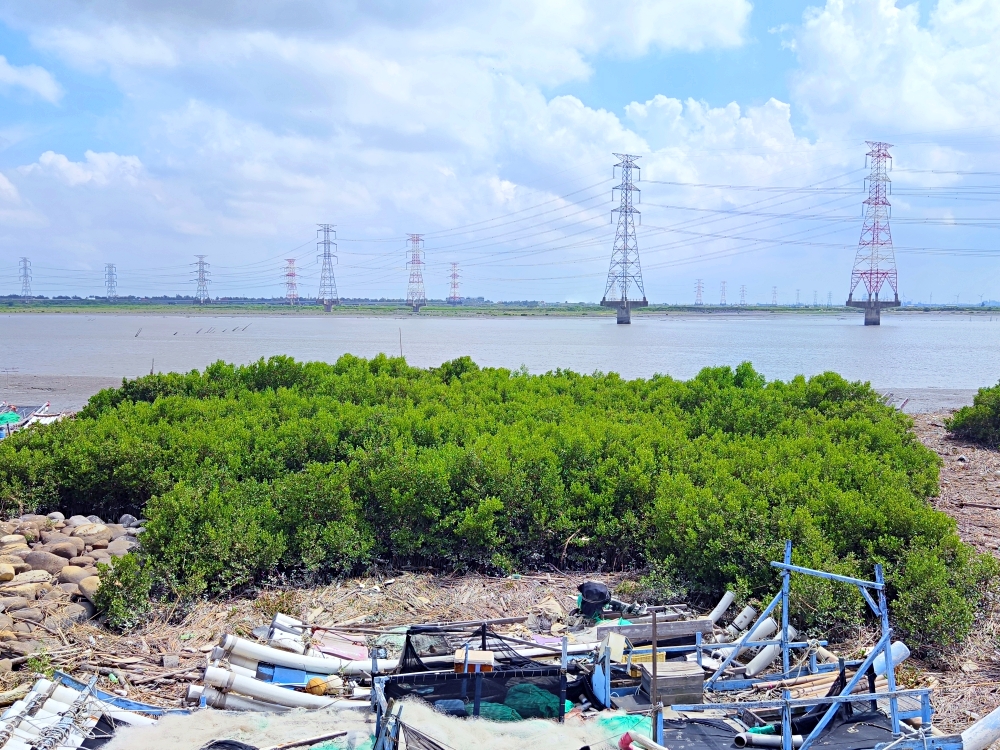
(118, 702)
(787, 703)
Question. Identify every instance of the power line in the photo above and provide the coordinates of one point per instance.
(201, 293)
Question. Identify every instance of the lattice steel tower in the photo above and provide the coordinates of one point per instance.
(774, 296)
(743, 295)
(327, 283)
(453, 297)
(699, 287)
(110, 282)
(875, 262)
(415, 295)
(722, 294)
(25, 273)
(201, 293)
(625, 270)
(291, 282)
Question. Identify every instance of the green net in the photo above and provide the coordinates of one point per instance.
(531, 702)
(10, 417)
(494, 711)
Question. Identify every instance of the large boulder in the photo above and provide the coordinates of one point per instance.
(66, 550)
(7, 572)
(91, 533)
(13, 602)
(127, 520)
(122, 546)
(77, 521)
(56, 516)
(27, 615)
(117, 530)
(82, 561)
(73, 574)
(31, 576)
(50, 563)
(18, 562)
(89, 586)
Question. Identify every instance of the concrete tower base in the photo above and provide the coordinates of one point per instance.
(624, 308)
(872, 308)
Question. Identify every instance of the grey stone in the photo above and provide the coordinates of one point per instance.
(46, 561)
(72, 574)
(127, 520)
(95, 519)
(171, 661)
(78, 612)
(88, 587)
(6, 665)
(13, 602)
(82, 561)
(56, 516)
(77, 521)
(27, 615)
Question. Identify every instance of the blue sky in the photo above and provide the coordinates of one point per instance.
(141, 135)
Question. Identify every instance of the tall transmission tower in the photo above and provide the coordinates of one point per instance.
(291, 282)
(699, 287)
(875, 262)
(201, 293)
(416, 297)
(624, 270)
(829, 299)
(454, 298)
(110, 282)
(722, 294)
(774, 296)
(25, 272)
(815, 298)
(743, 295)
(797, 298)
(327, 283)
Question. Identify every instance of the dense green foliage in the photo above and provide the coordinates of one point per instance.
(981, 421)
(123, 596)
(330, 468)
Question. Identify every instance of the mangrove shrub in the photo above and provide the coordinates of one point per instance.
(327, 469)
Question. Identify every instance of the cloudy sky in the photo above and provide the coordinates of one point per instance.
(141, 134)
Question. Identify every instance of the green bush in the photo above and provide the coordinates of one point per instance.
(330, 468)
(981, 421)
(123, 596)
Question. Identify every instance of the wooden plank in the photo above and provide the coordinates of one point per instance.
(665, 631)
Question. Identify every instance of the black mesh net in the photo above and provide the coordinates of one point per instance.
(423, 652)
(507, 695)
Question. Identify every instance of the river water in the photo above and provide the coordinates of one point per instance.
(936, 360)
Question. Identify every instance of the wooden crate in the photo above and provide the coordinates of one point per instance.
(676, 681)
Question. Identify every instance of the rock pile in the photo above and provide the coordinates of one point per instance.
(49, 575)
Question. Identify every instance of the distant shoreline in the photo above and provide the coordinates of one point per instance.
(498, 311)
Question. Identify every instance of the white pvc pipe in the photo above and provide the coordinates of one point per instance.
(222, 678)
(767, 655)
(983, 733)
(720, 609)
(256, 652)
(750, 739)
(900, 653)
(245, 649)
(230, 702)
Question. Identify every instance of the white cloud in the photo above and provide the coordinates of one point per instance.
(35, 79)
(107, 45)
(96, 169)
(8, 192)
(871, 64)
